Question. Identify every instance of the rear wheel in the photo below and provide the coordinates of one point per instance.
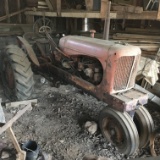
(119, 129)
(16, 73)
(144, 124)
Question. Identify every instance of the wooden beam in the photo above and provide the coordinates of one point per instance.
(104, 4)
(125, 9)
(19, 7)
(59, 7)
(146, 15)
(12, 14)
(71, 14)
(158, 14)
(7, 10)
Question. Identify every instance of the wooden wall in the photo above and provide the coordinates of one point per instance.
(10, 9)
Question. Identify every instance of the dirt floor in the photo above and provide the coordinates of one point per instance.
(57, 123)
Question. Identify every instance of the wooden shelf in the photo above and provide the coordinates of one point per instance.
(71, 14)
(148, 15)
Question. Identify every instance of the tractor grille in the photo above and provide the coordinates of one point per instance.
(123, 71)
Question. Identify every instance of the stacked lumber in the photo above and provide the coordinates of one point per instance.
(121, 7)
(45, 4)
(149, 43)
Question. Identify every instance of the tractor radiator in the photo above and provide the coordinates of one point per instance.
(126, 69)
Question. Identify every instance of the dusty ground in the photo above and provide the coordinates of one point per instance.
(56, 123)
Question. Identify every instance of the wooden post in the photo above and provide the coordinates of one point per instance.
(75, 24)
(59, 7)
(29, 19)
(104, 5)
(158, 15)
(7, 10)
(19, 7)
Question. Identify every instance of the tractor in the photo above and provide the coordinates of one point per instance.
(102, 68)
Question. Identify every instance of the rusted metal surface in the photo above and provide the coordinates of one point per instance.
(111, 55)
(92, 32)
(29, 50)
(111, 67)
(125, 101)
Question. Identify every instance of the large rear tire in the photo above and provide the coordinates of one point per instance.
(16, 73)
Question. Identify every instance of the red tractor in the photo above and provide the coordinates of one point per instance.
(105, 69)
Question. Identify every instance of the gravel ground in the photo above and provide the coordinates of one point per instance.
(57, 123)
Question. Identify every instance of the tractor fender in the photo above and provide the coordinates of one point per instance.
(29, 50)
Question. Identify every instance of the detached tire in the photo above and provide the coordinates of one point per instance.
(16, 73)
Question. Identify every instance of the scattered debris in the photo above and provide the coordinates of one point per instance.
(42, 80)
(91, 127)
(5, 155)
(21, 155)
(93, 157)
(155, 143)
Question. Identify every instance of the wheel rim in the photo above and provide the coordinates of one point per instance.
(144, 124)
(113, 131)
(119, 129)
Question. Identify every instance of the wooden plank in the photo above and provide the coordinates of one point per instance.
(89, 5)
(147, 15)
(134, 36)
(7, 10)
(15, 118)
(16, 104)
(43, 7)
(42, 3)
(72, 14)
(12, 14)
(130, 9)
(18, 8)
(104, 6)
(142, 30)
(158, 14)
(49, 5)
(58, 7)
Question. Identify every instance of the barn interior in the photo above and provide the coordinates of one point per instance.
(79, 80)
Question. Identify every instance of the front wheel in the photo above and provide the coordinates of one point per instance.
(16, 73)
(119, 129)
(144, 124)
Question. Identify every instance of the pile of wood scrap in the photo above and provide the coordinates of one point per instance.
(149, 43)
(121, 7)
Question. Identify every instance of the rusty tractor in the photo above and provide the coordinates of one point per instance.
(105, 69)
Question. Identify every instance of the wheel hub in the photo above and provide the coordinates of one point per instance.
(113, 131)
